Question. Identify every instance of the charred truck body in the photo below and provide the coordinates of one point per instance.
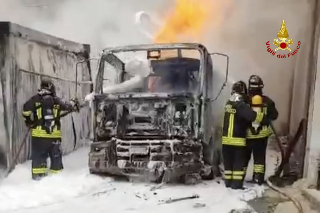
(151, 114)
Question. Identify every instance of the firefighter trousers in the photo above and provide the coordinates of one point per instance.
(42, 148)
(257, 147)
(234, 161)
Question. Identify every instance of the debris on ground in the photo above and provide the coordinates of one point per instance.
(199, 205)
(104, 192)
(178, 199)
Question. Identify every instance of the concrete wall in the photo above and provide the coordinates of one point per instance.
(313, 133)
(313, 144)
(25, 56)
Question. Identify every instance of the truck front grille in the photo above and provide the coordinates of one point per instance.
(145, 150)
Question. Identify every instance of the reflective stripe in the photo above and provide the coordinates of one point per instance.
(56, 107)
(26, 113)
(237, 177)
(233, 141)
(254, 86)
(259, 117)
(265, 110)
(55, 113)
(266, 131)
(228, 177)
(238, 173)
(40, 133)
(55, 171)
(39, 170)
(227, 172)
(231, 124)
(39, 113)
(39, 110)
(258, 168)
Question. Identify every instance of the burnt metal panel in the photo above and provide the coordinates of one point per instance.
(152, 47)
(25, 56)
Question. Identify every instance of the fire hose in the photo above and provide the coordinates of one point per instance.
(284, 160)
(285, 155)
(24, 140)
(296, 202)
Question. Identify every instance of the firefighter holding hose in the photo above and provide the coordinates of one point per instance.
(238, 117)
(258, 134)
(42, 114)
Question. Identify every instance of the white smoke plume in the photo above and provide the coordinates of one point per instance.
(97, 22)
(240, 29)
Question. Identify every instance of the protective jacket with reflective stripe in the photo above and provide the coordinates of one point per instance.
(33, 111)
(269, 109)
(237, 119)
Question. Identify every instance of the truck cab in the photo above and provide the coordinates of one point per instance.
(151, 112)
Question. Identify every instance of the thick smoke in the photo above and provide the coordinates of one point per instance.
(97, 22)
(241, 29)
(242, 33)
(238, 28)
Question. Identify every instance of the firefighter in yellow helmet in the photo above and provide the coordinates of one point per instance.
(258, 134)
(237, 119)
(42, 114)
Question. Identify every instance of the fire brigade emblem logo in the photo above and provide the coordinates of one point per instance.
(283, 42)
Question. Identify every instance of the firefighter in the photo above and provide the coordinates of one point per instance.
(257, 138)
(237, 119)
(42, 114)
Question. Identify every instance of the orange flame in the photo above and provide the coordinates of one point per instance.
(190, 20)
(185, 22)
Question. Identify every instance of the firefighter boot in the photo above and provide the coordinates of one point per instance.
(39, 172)
(237, 185)
(258, 178)
(38, 176)
(228, 183)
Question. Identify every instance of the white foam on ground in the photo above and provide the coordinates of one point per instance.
(75, 190)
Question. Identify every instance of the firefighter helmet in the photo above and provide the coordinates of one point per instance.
(46, 83)
(255, 83)
(239, 87)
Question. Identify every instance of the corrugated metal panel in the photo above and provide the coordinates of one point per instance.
(27, 55)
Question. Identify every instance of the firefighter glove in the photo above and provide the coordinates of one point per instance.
(75, 104)
(28, 122)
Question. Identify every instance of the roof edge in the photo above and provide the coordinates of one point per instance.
(16, 30)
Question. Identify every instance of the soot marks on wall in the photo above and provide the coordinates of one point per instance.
(21, 72)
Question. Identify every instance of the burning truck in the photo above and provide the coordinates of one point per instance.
(153, 122)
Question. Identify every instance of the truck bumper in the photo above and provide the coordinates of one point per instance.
(146, 159)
